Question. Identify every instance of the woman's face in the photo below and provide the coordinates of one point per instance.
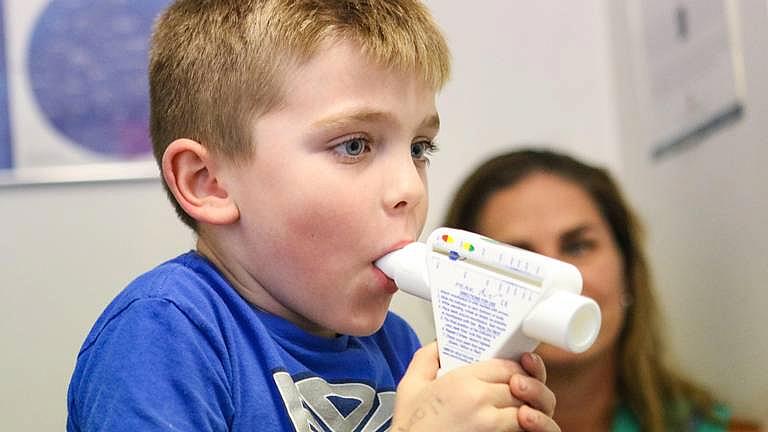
(552, 216)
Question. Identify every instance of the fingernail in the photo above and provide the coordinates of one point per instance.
(533, 417)
(521, 384)
(536, 358)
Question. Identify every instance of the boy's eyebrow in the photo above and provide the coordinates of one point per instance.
(431, 122)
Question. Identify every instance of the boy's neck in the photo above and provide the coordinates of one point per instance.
(586, 394)
(235, 276)
(249, 288)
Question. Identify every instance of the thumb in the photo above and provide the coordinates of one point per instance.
(424, 364)
(414, 388)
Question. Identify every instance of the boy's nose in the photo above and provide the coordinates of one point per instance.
(405, 188)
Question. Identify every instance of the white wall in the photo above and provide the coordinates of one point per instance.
(523, 71)
(64, 253)
(705, 209)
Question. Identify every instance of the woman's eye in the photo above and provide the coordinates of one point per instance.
(421, 150)
(577, 248)
(353, 147)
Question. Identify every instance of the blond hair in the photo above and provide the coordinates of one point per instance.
(217, 65)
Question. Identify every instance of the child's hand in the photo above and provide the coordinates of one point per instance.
(492, 395)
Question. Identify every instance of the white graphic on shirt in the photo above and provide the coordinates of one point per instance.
(314, 405)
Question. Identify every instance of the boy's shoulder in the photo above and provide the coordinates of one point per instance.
(173, 278)
(188, 277)
(188, 283)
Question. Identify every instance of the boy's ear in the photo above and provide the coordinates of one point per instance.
(189, 172)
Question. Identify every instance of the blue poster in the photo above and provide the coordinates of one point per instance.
(6, 153)
(74, 90)
(88, 71)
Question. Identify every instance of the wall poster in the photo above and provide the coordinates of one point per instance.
(691, 72)
(73, 90)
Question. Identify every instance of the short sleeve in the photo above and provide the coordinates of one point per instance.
(151, 368)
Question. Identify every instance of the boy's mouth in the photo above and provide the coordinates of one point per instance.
(387, 284)
(399, 245)
(384, 280)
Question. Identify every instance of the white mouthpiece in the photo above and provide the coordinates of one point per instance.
(566, 320)
(408, 268)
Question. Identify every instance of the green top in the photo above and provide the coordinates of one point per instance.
(624, 420)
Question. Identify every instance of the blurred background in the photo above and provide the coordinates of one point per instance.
(671, 96)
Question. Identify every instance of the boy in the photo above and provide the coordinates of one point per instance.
(293, 137)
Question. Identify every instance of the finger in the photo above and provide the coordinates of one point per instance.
(534, 393)
(534, 365)
(495, 370)
(508, 420)
(532, 420)
(499, 396)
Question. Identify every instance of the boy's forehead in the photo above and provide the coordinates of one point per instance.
(338, 59)
(333, 44)
(365, 115)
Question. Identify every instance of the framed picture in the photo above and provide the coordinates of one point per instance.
(74, 102)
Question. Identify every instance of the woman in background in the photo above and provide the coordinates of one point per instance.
(557, 206)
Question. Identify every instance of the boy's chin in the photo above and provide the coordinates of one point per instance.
(366, 327)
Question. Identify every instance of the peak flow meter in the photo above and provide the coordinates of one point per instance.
(493, 300)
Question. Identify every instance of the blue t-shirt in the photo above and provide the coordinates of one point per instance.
(180, 350)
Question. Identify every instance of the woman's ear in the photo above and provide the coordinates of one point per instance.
(190, 174)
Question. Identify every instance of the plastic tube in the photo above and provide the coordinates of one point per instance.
(490, 299)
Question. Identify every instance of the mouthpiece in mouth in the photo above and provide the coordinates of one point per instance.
(408, 268)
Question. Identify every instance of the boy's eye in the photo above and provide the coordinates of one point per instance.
(353, 147)
(420, 150)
